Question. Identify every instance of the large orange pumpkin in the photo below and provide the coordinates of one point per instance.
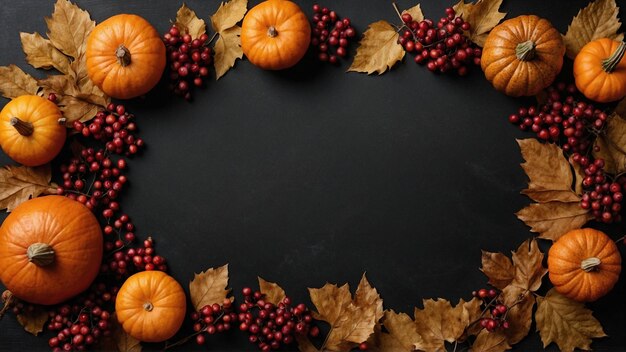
(125, 56)
(600, 70)
(584, 264)
(32, 131)
(523, 55)
(275, 34)
(151, 306)
(50, 250)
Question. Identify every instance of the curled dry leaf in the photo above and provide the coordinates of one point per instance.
(553, 220)
(21, 183)
(68, 27)
(228, 46)
(415, 12)
(438, 322)
(597, 20)
(612, 145)
(498, 268)
(482, 17)
(188, 23)
(273, 293)
(529, 269)
(40, 53)
(379, 50)
(15, 82)
(549, 172)
(490, 342)
(566, 322)
(34, 320)
(209, 287)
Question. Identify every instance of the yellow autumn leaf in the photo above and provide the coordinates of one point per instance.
(379, 50)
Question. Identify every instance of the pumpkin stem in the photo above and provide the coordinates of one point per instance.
(23, 127)
(525, 51)
(148, 306)
(123, 55)
(272, 32)
(590, 264)
(609, 64)
(40, 254)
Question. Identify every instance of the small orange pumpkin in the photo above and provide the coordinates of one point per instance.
(151, 306)
(32, 130)
(523, 55)
(584, 264)
(275, 34)
(125, 56)
(50, 250)
(600, 70)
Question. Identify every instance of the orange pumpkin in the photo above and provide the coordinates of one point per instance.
(50, 250)
(151, 306)
(125, 56)
(275, 34)
(32, 130)
(600, 70)
(584, 264)
(523, 55)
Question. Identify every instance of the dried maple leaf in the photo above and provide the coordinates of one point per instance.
(566, 322)
(552, 220)
(612, 145)
(490, 342)
(68, 27)
(21, 183)
(34, 320)
(40, 53)
(529, 269)
(75, 105)
(498, 268)
(368, 296)
(439, 322)
(15, 82)
(188, 23)
(475, 312)
(482, 17)
(209, 287)
(119, 340)
(549, 172)
(228, 14)
(402, 333)
(520, 313)
(597, 20)
(379, 50)
(227, 50)
(273, 293)
(330, 301)
(415, 12)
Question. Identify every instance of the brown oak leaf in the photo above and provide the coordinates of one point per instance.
(33, 321)
(15, 82)
(402, 333)
(415, 12)
(227, 50)
(188, 23)
(40, 53)
(379, 50)
(21, 183)
(520, 313)
(68, 27)
(498, 268)
(529, 269)
(549, 172)
(612, 145)
(554, 219)
(597, 20)
(209, 287)
(273, 293)
(566, 322)
(439, 322)
(482, 16)
(490, 342)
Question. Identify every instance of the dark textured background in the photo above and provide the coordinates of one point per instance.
(313, 175)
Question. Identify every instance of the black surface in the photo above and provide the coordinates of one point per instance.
(313, 175)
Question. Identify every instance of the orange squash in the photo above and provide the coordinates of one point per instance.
(50, 250)
(151, 306)
(275, 34)
(600, 70)
(584, 264)
(523, 55)
(125, 56)
(32, 131)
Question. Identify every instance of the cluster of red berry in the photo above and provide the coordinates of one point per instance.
(498, 310)
(212, 319)
(189, 60)
(443, 47)
(331, 35)
(567, 118)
